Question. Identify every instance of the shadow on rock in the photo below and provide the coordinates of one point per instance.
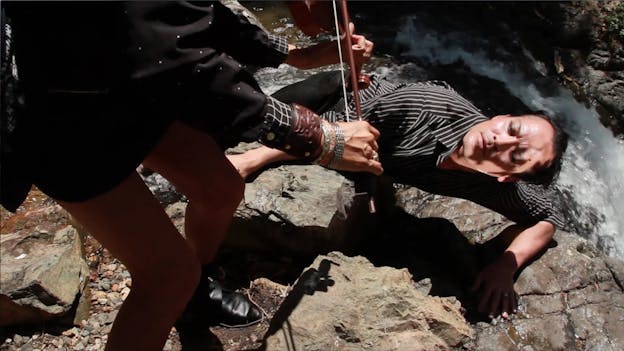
(310, 281)
(442, 261)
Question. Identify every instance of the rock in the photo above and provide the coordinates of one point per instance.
(164, 191)
(342, 302)
(477, 223)
(42, 274)
(300, 210)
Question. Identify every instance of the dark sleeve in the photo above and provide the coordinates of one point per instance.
(520, 202)
(247, 42)
(542, 203)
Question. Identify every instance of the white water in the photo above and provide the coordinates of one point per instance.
(593, 169)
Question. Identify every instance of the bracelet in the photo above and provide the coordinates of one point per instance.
(339, 149)
(328, 144)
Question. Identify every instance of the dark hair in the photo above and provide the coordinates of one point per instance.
(546, 175)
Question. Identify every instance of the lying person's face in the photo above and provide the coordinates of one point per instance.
(507, 146)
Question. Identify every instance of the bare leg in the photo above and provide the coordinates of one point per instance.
(251, 161)
(132, 225)
(194, 163)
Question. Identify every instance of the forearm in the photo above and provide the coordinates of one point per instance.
(291, 128)
(321, 54)
(299, 132)
(529, 241)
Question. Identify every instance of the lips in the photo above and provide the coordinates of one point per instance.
(483, 143)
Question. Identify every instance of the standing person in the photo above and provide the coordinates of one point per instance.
(109, 85)
(434, 139)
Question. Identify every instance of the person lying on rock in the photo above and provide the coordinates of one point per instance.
(109, 85)
(434, 139)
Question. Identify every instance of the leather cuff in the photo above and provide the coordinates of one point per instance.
(305, 137)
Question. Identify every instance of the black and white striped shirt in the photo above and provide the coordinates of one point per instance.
(420, 125)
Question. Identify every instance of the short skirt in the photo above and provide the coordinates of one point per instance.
(77, 144)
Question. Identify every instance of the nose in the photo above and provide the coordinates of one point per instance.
(504, 142)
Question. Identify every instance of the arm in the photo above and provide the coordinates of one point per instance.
(253, 45)
(495, 281)
(346, 146)
(326, 53)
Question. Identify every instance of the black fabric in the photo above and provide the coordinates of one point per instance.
(320, 92)
(13, 185)
(104, 80)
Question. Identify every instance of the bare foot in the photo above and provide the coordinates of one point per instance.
(244, 163)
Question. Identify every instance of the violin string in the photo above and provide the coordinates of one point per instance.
(342, 69)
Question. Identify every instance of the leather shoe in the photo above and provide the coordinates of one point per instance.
(235, 309)
(214, 305)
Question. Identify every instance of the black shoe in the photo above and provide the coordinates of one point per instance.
(234, 309)
(213, 305)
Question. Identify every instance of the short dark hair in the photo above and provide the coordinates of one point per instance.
(546, 175)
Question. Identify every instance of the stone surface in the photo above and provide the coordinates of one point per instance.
(346, 303)
(299, 210)
(42, 272)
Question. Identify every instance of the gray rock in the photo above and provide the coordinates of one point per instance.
(300, 210)
(164, 191)
(346, 303)
(477, 223)
(42, 274)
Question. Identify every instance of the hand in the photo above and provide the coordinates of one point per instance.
(359, 149)
(361, 47)
(495, 286)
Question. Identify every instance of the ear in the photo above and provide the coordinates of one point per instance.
(507, 178)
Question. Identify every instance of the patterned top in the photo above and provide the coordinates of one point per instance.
(420, 125)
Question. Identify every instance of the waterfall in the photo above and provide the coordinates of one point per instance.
(592, 178)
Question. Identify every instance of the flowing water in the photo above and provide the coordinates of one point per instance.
(415, 46)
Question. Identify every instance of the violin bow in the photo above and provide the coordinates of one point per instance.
(354, 82)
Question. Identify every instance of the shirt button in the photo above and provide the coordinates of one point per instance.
(270, 136)
(287, 147)
(307, 154)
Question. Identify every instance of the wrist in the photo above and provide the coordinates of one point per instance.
(507, 260)
(332, 146)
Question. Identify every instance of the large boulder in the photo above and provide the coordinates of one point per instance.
(300, 209)
(341, 303)
(43, 274)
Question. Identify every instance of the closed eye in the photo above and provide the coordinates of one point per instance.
(513, 128)
(518, 157)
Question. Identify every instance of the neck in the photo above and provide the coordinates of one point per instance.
(454, 163)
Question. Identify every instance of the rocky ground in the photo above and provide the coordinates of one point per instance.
(110, 283)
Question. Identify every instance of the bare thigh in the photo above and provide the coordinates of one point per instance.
(130, 222)
(195, 164)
